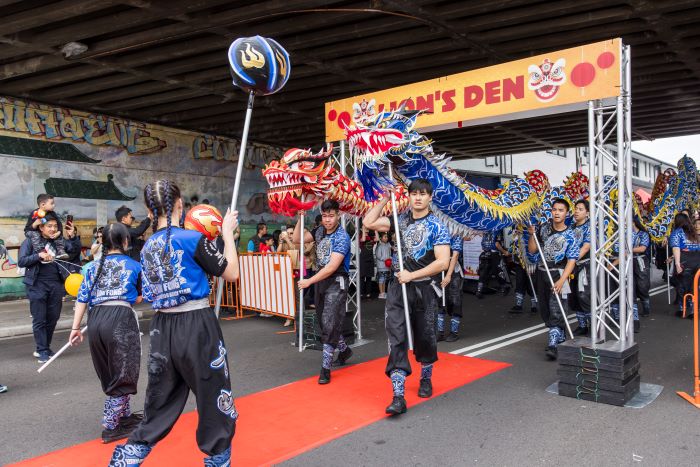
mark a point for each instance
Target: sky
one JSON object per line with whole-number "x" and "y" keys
{"x": 670, "y": 149}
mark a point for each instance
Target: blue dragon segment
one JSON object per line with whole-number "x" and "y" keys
{"x": 684, "y": 187}
{"x": 463, "y": 206}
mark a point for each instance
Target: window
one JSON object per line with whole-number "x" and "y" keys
{"x": 557, "y": 152}
{"x": 635, "y": 167}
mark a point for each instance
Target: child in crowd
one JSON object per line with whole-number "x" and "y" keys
{"x": 382, "y": 254}
{"x": 267, "y": 243}
{"x": 45, "y": 204}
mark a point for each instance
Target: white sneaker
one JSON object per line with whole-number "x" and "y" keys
{"x": 382, "y": 296}
{"x": 35, "y": 354}
{"x": 265, "y": 315}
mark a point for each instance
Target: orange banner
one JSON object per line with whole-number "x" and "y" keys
{"x": 544, "y": 84}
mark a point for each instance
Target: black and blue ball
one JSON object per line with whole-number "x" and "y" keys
{"x": 259, "y": 65}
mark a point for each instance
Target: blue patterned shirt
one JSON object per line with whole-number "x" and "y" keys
{"x": 457, "y": 245}
{"x": 489, "y": 239}
{"x": 557, "y": 246}
{"x": 120, "y": 279}
{"x": 680, "y": 240}
{"x": 418, "y": 240}
{"x": 336, "y": 242}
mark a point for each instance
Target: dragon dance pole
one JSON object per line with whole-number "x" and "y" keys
{"x": 301, "y": 276}
{"x": 58, "y": 354}
{"x": 551, "y": 281}
{"x": 236, "y": 186}
{"x": 668, "y": 277}
{"x": 404, "y": 294}
{"x": 443, "y": 290}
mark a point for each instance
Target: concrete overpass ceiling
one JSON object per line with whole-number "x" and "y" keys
{"x": 165, "y": 62}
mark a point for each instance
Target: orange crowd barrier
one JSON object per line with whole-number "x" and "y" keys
{"x": 695, "y": 398}
{"x": 229, "y": 297}
{"x": 266, "y": 284}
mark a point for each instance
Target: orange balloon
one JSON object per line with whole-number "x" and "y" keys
{"x": 205, "y": 219}
{"x": 73, "y": 283}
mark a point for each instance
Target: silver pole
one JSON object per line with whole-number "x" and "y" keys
{"x": 668, "y": 276}
{"x": 601, "y": 273}
{"x": 532, "y": 286}
{"x": 395, "y": 215}
{"x": 551, "y": 281}
{"x": 301, "y": 276}
{"x": 236, "y": 186}
{"x": 443, "y": 290}
{"x": 622, "y": 225}
{"x": 593, "y": 226}
{"x": 626, "y": 124}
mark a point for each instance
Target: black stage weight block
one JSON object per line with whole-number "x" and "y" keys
{"x": 607, "y": 372}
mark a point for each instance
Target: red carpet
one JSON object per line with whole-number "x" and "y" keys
{"x": 285, "y": 421}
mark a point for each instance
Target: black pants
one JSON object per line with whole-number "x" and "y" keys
{"x": 522, "y": 283}
{"x": 490, "y": 264}
{"x": 366, "y": 285}
{"x": 422, "y": 306}
{"x": 642, "y": 281}
{"x": 549, "y": 307}
{"x": 453, "y": 295}
{"x": 187, "y": 353}
{"x": 690, "y": 260}
{"x": 115, "y": 347}
{"x": 580, "y": 300}
{"x": 45, "y": 303}
{"x": 331, "y": 298}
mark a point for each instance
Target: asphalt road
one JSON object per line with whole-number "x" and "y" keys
{"x": 504, "y": 419}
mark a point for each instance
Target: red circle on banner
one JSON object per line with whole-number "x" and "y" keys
{"x": 606, "y": 60}
{"x": 344, "y": 120}
{"x": 332, "y": 115}
{"x": 583, "y": 74}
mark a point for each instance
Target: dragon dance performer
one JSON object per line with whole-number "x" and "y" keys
{"x": 425, "y": 244}
{"x": 640, "y": 268}
{"x": 580, "y": 297}
{"x": 523, "y": 284}
{"x": 187, "y": 351}
{"x": 560, "y": 251}
{"x": 111, "y": 286}
{"x": 331, "y": 295}
{"x": 685, "y": 244}
{"x": 491, "y": 262}
{"x": 452, "y": 284}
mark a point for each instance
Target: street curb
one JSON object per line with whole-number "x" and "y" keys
{"x": 62, "y": 325}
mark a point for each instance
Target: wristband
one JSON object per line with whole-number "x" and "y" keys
{"x": 73, "y": 329}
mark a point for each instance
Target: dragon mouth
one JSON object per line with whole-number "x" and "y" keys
{"x": 286, "y": 192}
{"x": 370, "y": 146}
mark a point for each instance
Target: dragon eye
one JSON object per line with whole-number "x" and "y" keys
{"x": 381, "y": 125}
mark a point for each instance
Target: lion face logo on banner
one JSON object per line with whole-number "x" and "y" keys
{"x": 546, "y": 79}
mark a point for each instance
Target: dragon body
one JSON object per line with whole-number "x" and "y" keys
{"x": 389, "y": 153}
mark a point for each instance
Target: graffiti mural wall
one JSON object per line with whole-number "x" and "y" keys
{"x": 93, "y": 164}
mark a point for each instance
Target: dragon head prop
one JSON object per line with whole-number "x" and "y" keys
{"x": 299, "y": 180}
{"x": 374, "y": 142}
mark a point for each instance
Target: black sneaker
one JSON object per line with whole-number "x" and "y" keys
{"x": 505, "y": 291}
{"x": 551, "y": 352}
{"x": 426, "y": 388}
{"x": 533, "y": 309}
{"x": 637, "y": 326}
{"x": 132, "y": 420}
{"x": 343, "y": 357}
{"x": 516, "y": 309}
{"x": 120, "y": 432}
{"x": 581, "y": 331}
{"x": 453, "y": 336}
{"x": 479, "y": 295}
{"x": 325, "y": 376}
{"x": 440, "y": 336}
{"x": 397, "y": 406}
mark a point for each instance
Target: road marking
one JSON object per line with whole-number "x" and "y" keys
{"x": 537, "y": 330}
